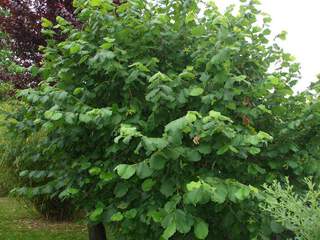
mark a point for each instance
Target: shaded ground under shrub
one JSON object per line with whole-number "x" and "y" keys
{"x": 20, "y": 222}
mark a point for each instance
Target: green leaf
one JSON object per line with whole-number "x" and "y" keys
{"x": 148, "y": 184}
{"x": 132, "y": 213}
{"x": 193, "y": 156}
{"x": 169, "y": 231}
{"x": 204, "y": 149}
{"x": 95, "y": 171}
{"x": 153, "y": 144}
{"x": 106, "y": 45}
{"x": 117, "y": 217}
{"x": 194, "y": 196}
{"x": 75, "y": 48}
{"x": 106, "y": 176}
{"x": 276, "y": 227}
{"x": 220, "y": 193}
{"x": 197, "y": 91}
{"x": 167, "y": 188}
{"x": 120, "y": 190}
{"x": 171, "y": 205}
{"x": 219, "y": 58}
{"x": 223, "y": 150}
{"x": 143, "y": 170}
{"x": 109, "y": 54}
{"x": 46, "y": 23}
{"x": 96, "y": 214}
{"x": 157, "y": 161}
{"x": 242, "y": 194}
{"x": 254, "y": 150}
{"x": 95, "y": 3}
{"x": 264, "y": 136}
{"x": 53, "y": 115}
{"x": 283, "y": 35}
{"x": 70, "y": 117}
{"x": 201, "y": 230}
{"x": 126, "y": 171}
{"x": 85, "y": 118}
{"x": 184, "y": 221}
{"x": 187, "y": 75}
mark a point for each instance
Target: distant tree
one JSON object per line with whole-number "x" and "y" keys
{"x": 20, "y": 20}
{"x": 23, "y": 24}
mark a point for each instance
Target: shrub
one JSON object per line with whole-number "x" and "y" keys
{"x": 6, "y": 90}
{"x": 15, "y": 153}
{"x": 163, "y": 122}
{"x": 299, "y": 213}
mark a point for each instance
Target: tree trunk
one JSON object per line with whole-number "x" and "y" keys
{"x": 97, "y": 232}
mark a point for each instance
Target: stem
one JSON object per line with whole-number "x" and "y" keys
{"x": 97, "y": 232}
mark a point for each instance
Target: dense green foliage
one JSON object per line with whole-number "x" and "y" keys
{"x": 16, "y": 154}
{"x": 164, "y": 121}
{"x": 6, "y": 90}
{"x": 7, "y": 179}
{"x": 296, "y": 212}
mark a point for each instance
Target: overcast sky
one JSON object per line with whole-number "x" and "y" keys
{"x": 301, "y": 19}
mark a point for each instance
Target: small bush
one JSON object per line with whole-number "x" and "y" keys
{"x": 14, "y": 157}
{"x": 6, "y": 90}
{"x": 299, "y": 213}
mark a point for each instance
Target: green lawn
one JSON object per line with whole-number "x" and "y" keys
{"x": 19, "y": 222}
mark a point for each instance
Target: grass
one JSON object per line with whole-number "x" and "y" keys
{"x": 20, "y": 222}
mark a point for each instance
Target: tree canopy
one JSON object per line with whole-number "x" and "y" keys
{"x": 164, "y": 120}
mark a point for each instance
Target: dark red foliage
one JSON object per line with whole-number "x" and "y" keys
{"x": 23, "y": 26}
{"x": 20, "y": 81}
{"x": 117, "y": 2}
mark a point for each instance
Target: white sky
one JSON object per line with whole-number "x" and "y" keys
{"x": 301, "y": 19}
